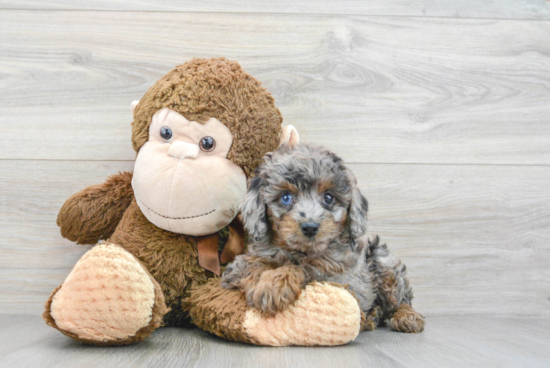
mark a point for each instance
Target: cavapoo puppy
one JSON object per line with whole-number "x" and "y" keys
{"x": 307, "y": 220}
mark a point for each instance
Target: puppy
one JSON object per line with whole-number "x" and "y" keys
{"x": 306, "y": 220}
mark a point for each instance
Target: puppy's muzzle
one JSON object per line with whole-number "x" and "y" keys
{"x": 309, "y": 228}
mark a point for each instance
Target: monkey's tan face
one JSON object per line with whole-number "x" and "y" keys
{"x": 183, "y": 181}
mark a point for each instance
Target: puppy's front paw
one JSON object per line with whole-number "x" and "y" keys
{"x": 233, "y": 275}
{"x": 406, "y": 319}
{"x": 276, "y": 289}
{"x": 231, "y": 278}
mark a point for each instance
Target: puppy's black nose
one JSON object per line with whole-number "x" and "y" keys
{"x": 309, "y": 228}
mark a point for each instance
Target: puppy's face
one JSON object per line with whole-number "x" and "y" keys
{"x": 302, "y": 199}
{"x": 305, "y": 216}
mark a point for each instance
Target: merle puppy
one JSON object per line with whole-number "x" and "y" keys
{"x": 307, "y": 219}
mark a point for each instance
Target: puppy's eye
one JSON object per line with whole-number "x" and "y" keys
{"x": 328, "y": 198}
{"x": 286, "y": 199}
{"x": 207, "y": 144}
{"x": 166, "y": 133}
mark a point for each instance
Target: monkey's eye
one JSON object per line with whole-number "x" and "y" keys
{"x": 328, "y": 198}
{"x": 286, "y": 199}
{"x": 166, "y": 133}
{"x": 207, "y": 144}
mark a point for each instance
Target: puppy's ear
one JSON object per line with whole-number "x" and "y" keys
{"x": 253, "y": 210}
{"x": 357, "y": 212}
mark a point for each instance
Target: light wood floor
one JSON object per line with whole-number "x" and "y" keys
{"x": 441, "y": 107}
{"x": 25, "y": 341}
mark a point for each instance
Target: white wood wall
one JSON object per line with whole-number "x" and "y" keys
{"x": 441, "y": 107}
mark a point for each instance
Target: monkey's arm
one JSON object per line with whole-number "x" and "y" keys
{"x": 93, "y": 213}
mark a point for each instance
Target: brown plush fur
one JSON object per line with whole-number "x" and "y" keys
{"x": 198, "y": 90}
{"x": 93, "y": 213}
{"x": 218, "y": 311}
{"x": 218, "y": 88}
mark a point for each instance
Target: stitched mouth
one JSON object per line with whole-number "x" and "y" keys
{"x": 174, "y": 218}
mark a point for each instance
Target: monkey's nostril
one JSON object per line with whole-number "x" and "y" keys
{"x": 309, "y": 228}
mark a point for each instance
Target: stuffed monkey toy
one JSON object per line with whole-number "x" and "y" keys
{"x": 164, "y": 233}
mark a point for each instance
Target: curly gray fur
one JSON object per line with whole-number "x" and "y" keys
{"x": 338, "y": 252}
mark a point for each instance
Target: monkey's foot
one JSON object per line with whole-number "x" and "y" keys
{"x": 107, "y": 299}
{"x": 406, "y": 319}
{"x": 324, "y": 314}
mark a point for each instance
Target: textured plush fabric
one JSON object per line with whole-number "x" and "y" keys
{"x": 309, "y": 321}
{"x": 108, "y": 297}
{"x": 218, "y": 88}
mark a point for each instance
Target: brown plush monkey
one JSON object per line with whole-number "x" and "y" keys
{"x": 161, "y": 233}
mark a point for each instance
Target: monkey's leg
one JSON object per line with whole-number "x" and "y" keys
{"x": 394, "y": 291}
{"x": 323, "y": 314}
{"x": 107, "y": 299}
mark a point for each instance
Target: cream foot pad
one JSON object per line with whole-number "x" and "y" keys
{"x": 309, "y": 321}
{"x": 108, "y": 296}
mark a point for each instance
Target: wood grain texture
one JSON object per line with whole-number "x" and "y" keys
{"x": 518, "y": 9}
{"x": 25, "y": 341}
{"x": 476, "y": 239}
{"x": 375, "y": 89}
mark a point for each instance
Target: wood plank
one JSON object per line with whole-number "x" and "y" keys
{"x": 446, "y": 342}
{"x": 476, "y": 239}
{"x": 508, "y": 9}
{"x": 375, "y": 89}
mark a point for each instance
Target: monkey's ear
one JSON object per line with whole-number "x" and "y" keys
{"x": 290, "y": 136}
{"x": 253, "y": 210}
{"x": 133, "y": 105}
{"x": 357, "y": 212}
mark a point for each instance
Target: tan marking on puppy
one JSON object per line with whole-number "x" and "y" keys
{"x": 287, "y": 186}
{"x": 329, "y": 229}
{"x": 406, "y": 319}
{"x": 276, "y": 289}
{"x": 325, "y": 186}
{"x": 287, "y": 233}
